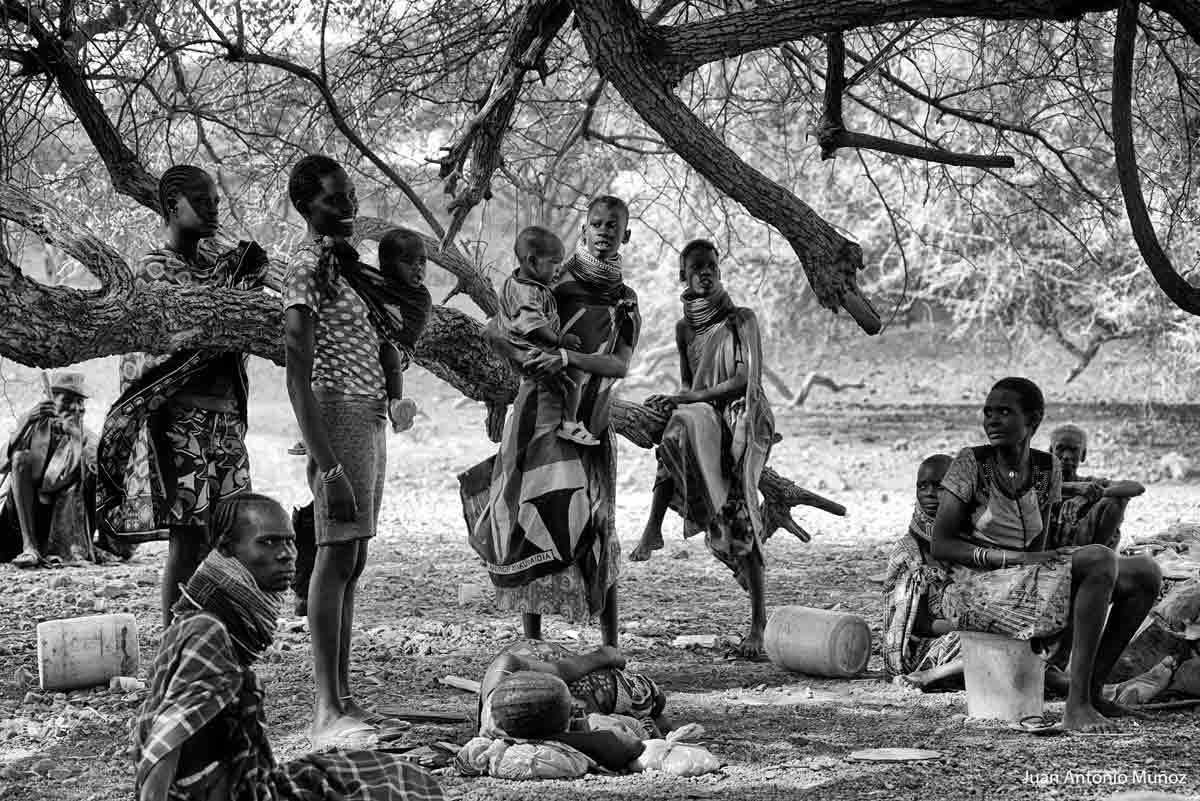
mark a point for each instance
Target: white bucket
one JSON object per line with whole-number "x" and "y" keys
{"x": 1005, "y": 679}
{"x": 87, "y": 651}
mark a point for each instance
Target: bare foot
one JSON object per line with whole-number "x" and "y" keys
{"x": 386, "y": 723}
{"x": 751, "y": 646}
{"x": 1086, "y": 719}
{"x": 651, "y": 541}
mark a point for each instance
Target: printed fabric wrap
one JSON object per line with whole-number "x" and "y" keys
{"x": 911, "y": 576}
{"x": 135, "y": 485}
{"x": 541, "y": 512}
{"x": 715, "y": 453}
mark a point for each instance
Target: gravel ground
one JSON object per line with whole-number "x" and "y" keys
{"x": 780, "y": 735}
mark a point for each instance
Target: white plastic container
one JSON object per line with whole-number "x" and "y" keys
{"x": 818, "y": 642}
{"x": 1005, "y": 679}
{"x": 87, "y": 651}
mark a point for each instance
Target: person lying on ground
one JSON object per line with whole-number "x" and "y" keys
{"x": 1093, "y": 507}
{"x": 916, "y": 638}
{"x": 47, "y": 480}
{"x": 598, "y": 683}
{"x": 201, "y": 731}
{"x": 992, "y": 527}
{"x": 719, "y": 433}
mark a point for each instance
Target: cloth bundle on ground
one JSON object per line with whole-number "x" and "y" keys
{"x": 508, "y": 758}
{"x": 676, "y": 758}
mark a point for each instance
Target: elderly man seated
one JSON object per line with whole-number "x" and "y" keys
{"x": 1092, "y": 508}
{"x": 47, "y": 472}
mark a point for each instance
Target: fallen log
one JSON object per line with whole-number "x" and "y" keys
{"x": 644, "y": 426}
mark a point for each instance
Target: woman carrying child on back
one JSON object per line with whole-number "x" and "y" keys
{"x": 991, "y": 525}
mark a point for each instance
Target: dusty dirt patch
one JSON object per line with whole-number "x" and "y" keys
{"x": 781, "y": 735}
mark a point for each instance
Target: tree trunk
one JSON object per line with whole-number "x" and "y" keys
{"x": 621, "y": 45}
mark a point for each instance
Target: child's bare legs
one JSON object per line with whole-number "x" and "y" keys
{"x": 571, "y": 428}
{"x": 330, "y": 608}
{"x": 652, "y": 539}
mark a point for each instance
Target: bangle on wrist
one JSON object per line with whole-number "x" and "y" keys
{"x": 563, "y": 353}
{"x": 333, "y": 473}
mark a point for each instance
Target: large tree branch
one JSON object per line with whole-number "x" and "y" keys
{"x": 680, "y": 49}
{"x": 832, "y": 133}
{"x": 129, "y": 176}
{"x": 1181, "y": 293}
{"x": 616, "y": 39}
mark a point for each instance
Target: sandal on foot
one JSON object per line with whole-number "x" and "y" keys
{"x": 577, "y": 433}
{"x": 354, "y": 738}
{"x": 26, "y": 559}
{"x": 1038, "y": 726}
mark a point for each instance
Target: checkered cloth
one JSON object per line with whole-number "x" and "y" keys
{"x": 198, "y": 684}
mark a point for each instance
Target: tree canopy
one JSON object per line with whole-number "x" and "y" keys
{"x": 974, "y": 151}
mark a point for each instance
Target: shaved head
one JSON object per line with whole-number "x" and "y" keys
{"x": 535, "y": 241}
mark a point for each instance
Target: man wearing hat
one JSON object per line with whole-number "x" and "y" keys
{"x": 47, "y": 474}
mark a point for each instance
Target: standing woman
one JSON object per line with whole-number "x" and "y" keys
{"x": 173, "y": 443}
{"x": 991, "y": 525}
{"x": 345, "y": 379}
{"x": 547, "y": 526}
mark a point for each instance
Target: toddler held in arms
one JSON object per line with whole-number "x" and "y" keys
{"x": 528, "y": 320}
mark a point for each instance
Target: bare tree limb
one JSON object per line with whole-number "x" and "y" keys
{"x": 536, "y": 26}
{"x": 832, "y": 133}
{"x": 1181, "y": 293}
{"x": 680, "y": 49}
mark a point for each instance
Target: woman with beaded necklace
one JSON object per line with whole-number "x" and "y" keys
{"x": 991, "y": 526}
{"x": 718, "y": 435}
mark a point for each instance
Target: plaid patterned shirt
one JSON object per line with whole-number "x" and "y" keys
{"x": 197, "y": 679}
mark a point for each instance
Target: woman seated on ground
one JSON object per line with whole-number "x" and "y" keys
{"x": 992, "y": 525}
{"x": 599, "y": 685}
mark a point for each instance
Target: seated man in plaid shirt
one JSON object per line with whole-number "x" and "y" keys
{"x": 200, "y": 732}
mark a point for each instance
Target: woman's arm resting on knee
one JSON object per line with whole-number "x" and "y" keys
{"x": 953, "y": 516}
